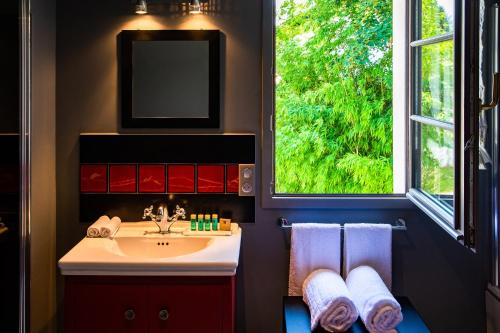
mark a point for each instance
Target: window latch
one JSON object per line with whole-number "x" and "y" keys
{"x": 496, "y": 94}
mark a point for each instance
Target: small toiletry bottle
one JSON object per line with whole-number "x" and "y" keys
{"x": 193, "y": 222}
{"x": 200, "y": 222}
{"x": 207, "y": 222}
{"x": 215, "y": 222}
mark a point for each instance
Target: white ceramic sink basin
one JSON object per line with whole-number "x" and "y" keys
{"x": 142, "y": 247}
{"x": 131, "y": 252}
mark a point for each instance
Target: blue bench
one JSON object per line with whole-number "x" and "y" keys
{"x": 297, "y": 319}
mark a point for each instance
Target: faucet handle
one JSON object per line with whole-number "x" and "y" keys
{"x": 148, "y": 211}
{"x": 180, "y": 211}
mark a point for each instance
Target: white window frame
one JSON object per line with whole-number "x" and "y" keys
{"x": 461, "y": 222}
{"x": 333, "y": 201}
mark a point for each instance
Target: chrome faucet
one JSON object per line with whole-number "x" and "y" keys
{"x": 161, "y": 218}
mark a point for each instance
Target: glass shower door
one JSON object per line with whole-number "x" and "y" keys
{"x": 10, "y": 166}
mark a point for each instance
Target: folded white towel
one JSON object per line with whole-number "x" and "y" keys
{"x": 110, "y": 228}
{"x": 370, "y": 245}
{"x": 329, "y": 301}
{"x": 378, "y": 309}
{"x": 95, "y": 229}
{"x": 313, "y": 246}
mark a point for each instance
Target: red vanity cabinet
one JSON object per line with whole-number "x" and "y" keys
{"x": 149, "y": 304}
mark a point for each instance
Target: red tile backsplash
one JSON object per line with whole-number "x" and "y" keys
{"x": 180, "y": 178}
{"x": 93, "y": 178}
{"x": 232, "y": 178}
{"x": 152, "y": 178}
{"x": 122, "y": 178}
{"x": 210, "y": 178}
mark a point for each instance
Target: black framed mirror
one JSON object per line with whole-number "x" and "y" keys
{"x": 170, "y": 78}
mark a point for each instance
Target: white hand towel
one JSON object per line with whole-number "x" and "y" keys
{"x": 110, "y": 228}
{"x": 313, "y": 246}
{"x": 95, "y": 229}
{"x": 370, "y": 245}
{"x": 329, "y": 301}
{"x": 378, "y": 309}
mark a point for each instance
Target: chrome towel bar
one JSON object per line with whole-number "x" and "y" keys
{"x": 399, "y": 225}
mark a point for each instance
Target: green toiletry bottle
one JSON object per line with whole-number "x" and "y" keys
{"x": 215, "y": 222}
{"x": 200, "y": 222}
{"x": 207, "y": 222}
{"x": 193, "y": 222}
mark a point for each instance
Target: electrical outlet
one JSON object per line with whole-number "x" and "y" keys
{"x": 247, "y": 180}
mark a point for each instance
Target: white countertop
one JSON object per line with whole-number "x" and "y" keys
{"x": 99, "y": 256}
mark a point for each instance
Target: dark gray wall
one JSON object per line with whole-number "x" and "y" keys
{"x": 444, "y": 280}
{"x": 42, "y": 311}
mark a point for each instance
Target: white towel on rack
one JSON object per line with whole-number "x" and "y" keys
{"x": 95, "y": 229}
{"x": 378, "y": 309}
{"x": 330, "y": 302}
{"x": 313, "y": 246}
{"x": 110, "y": 228}
{"x": 370, "y": 245}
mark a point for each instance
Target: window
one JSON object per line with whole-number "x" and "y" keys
{"x": 371, "y": 104}
{"x": 443, "y": 159}
{"x": 433, "y": 105}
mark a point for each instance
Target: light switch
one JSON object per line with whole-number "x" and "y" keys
{"x": 247, "y": 180}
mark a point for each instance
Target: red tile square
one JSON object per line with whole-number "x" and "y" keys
{"x": 232, "y": 178}
{"x": 93, "y": 178}
{"x": 180, "y": 178}
{"x": 122, "y": 178}
{"x": 152, "y": 178}
{"x": 210, "y": 178}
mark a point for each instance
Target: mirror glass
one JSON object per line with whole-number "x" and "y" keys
{"x": 170, "y": 79}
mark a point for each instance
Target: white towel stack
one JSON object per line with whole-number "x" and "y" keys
{"x": 110, "y": 228}
{"x": 369, "y": 245}
{"x": 329, "y": 301}
{"x": 313, "y": 246}
{"x": 378, "y": 309}
{"x": 95, "y": 229}
{"x": 104, "y": 227}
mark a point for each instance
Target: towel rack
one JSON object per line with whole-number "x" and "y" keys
{"x": 399, "y": 225}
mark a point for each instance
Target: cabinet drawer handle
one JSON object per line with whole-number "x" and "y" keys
{"x": 129, "y": 314}
{"x": 163, "y": 315}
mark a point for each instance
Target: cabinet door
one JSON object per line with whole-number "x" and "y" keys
{"x": 186, "y": 308}
{"x": 105, "y": 308}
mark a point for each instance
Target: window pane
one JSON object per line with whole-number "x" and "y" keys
{"x": 437, "y": 17}
{"x": 333, "y": 97}
{"x": 437, "y": 81}
{"x": 436, "y": 176}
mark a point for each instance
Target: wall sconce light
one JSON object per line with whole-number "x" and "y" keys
{"x": 141, "y": 7}
{"x": 194, "y": 7}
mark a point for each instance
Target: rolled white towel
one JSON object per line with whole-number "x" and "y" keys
{"x": 378, "y": 309}
{"x": 329, "y": 301}
{"x": 95, "y": 229}
{"x": 110, "y": 228}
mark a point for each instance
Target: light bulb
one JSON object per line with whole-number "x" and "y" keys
{"x": 141, "y": 7}
{"x": 194, "y": 7}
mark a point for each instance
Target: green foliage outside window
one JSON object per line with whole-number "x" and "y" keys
{"x": 437, "y": 100}
{"x": 334, "y": 95}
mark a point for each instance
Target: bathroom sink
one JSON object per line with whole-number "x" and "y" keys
{"x": 136, "y": 251}
{"x": 142, "y": 247}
